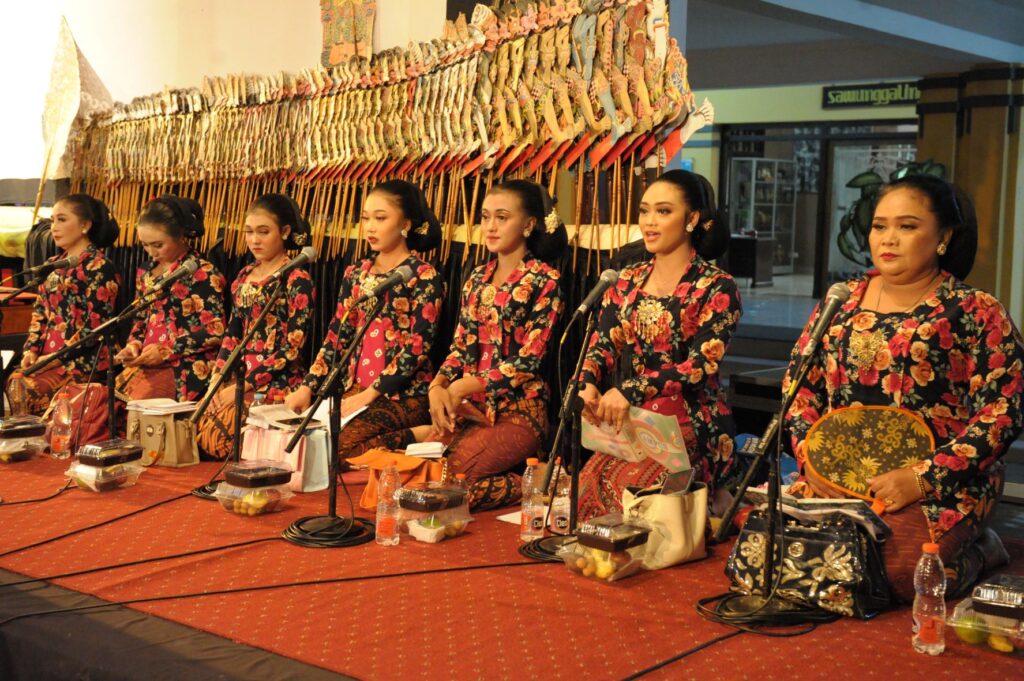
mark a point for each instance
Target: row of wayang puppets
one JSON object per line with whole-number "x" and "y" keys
{"x": 912, "y": 335}
{"x": 530, "y": 84}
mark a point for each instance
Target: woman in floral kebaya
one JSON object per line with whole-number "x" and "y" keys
{"x": 509, "y": 307}
{"x": 913, "y": 335}
{"x": 390, "y": 370}
{"x": 273, "y": 360}
{"x": 673, "y": 318}
{"x": 172, "y": 346}
{"x": 71, "y": 300}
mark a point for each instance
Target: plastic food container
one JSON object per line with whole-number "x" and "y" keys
{"x": 21, "y": 437}
{"x": 1002, "y": 634}
{"x": 607, "y": 549}
{"x": 433, "y": 513}
{"x": 1003, "y": 595}
{"x": 105, "y": 478}
{"x": 252, "y": 500}
{"x": 109, "y": 452}
{"x": 258, "y": 473}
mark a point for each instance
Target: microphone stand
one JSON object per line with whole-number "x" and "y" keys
{"x": 546, "y": 548}
{"x": 768, "y": 606}
{"x": 106, "y": 334}
{"x": 331, "y": 530}
{"x": 233, "y": 365}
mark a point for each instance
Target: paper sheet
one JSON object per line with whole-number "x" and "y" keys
{"x": 644, "y": 434}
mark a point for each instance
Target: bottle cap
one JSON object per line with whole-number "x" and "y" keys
{"x": 930, "y": 547}
{"x": 460, "y": 476}
{"x": 878, "y": 506}
{"x": 532, "y": 461}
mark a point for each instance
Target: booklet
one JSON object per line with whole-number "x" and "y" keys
{"x": 161, "y": 405}
{"x": 281, "y": 417}
{"x": 644, "y": 434}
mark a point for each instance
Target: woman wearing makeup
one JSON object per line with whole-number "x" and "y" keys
{"x": 389, "y": 372}
{"x": 488, "y": 402}
{"x": 70, "y": 300}
{"x": 915, "y": 337}
{"x": 673, "y": 317}
{"x": 273, "y": 359}
{"x": 172, "y": 347}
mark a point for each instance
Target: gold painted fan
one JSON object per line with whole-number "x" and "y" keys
{"x": 848, "y": 446}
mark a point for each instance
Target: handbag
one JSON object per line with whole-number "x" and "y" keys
{"x": 830, "y": 563}
{"x": 678, "y": 522}
{"x": 411, "y": 469}
{"x": 166, "y": 439}
{"x": 308, "y": 460}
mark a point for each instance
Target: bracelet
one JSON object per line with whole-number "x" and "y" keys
{"x": 920, "y": 485}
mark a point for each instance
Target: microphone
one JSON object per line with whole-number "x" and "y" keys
{"x": 186, "y": 269}
{"x": 305, "y": 256}
{"x": 604, "y": 282}
{"x": 834, "y": 299}
{"x": 400, "y": 275}
{"x": 607, "y": 278}
{"x": 47, "y": 267}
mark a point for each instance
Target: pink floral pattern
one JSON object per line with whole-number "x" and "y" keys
{"x": 956, "y": 359}
{"x": 673, "y": 369}
{"x": 72, "y": 301}
{"x": 406, "y": 329}
{"x": 514, "y": 321}
{"x": 187, "y": 323}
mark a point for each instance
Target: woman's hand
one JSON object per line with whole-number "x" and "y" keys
{"x": 897, "y": 489}
{"x": 591, "y": 396}
{"x": 127, "y": 354}
{"x": 299, "y": 400}
{"x": 821, "y": 488}
{"x": 358, "y": 401}
{"x": 442, "y": 409}
{"x": 151, "y": 355}
{"x": 28, "y": 359}
{"x": 613, "y": 408}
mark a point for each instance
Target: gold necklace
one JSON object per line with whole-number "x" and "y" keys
{"x": 927, "y": 289}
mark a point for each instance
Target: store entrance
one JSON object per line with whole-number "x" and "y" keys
{"x": 785, "y": 195}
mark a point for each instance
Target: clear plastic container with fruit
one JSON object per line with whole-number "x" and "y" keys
{"x": 253, "y": 488}
{"x": 607, "y": 548}
{"x": 252, "y": 501}
{"x": 107, "y": 465}
{"x": 432, "y": 513}
{"x": 997, "y": 632}
{"x": 21, "y": 438}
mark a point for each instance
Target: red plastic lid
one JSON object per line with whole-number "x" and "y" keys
{"x": 930, "y": 547}
{"x": 532, "y": 461}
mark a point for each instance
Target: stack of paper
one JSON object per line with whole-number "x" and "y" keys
{"x": 161, "y": 405}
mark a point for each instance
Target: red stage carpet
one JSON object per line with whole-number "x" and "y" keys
{"x": 527, "y": 621}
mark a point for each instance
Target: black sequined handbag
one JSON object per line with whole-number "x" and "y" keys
{"x": 830, "y": 563}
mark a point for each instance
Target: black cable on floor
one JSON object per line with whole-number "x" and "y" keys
{"x": 56, "y": 494}
{"x": 141, "y": 561}
{"x": 265, "y": 587}
{"x": 327, "y": 532}
{"x": 94, "y": 526}
{"x": 685, "y": 653}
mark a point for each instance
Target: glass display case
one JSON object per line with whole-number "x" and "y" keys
{"x": 762, "y": 204}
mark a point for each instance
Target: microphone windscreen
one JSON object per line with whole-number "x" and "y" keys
{"x": 839, "y": 291}
{"x": 309, "y": 253}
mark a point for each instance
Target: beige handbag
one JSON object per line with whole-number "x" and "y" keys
{"x": 677, "y": 523}
{"x": 166, "y": 439}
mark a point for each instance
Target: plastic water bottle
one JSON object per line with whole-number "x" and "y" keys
{"x": 60, "y": 430}
{"x": 558, "y": 519}
{"x": 531, "y": 518}
{"x": 929, "y": 602}
{"x": 387, "y": 506}
{"x": 258, "y": 400}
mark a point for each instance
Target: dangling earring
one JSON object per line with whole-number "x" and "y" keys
{"x": 941, "y": 250}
